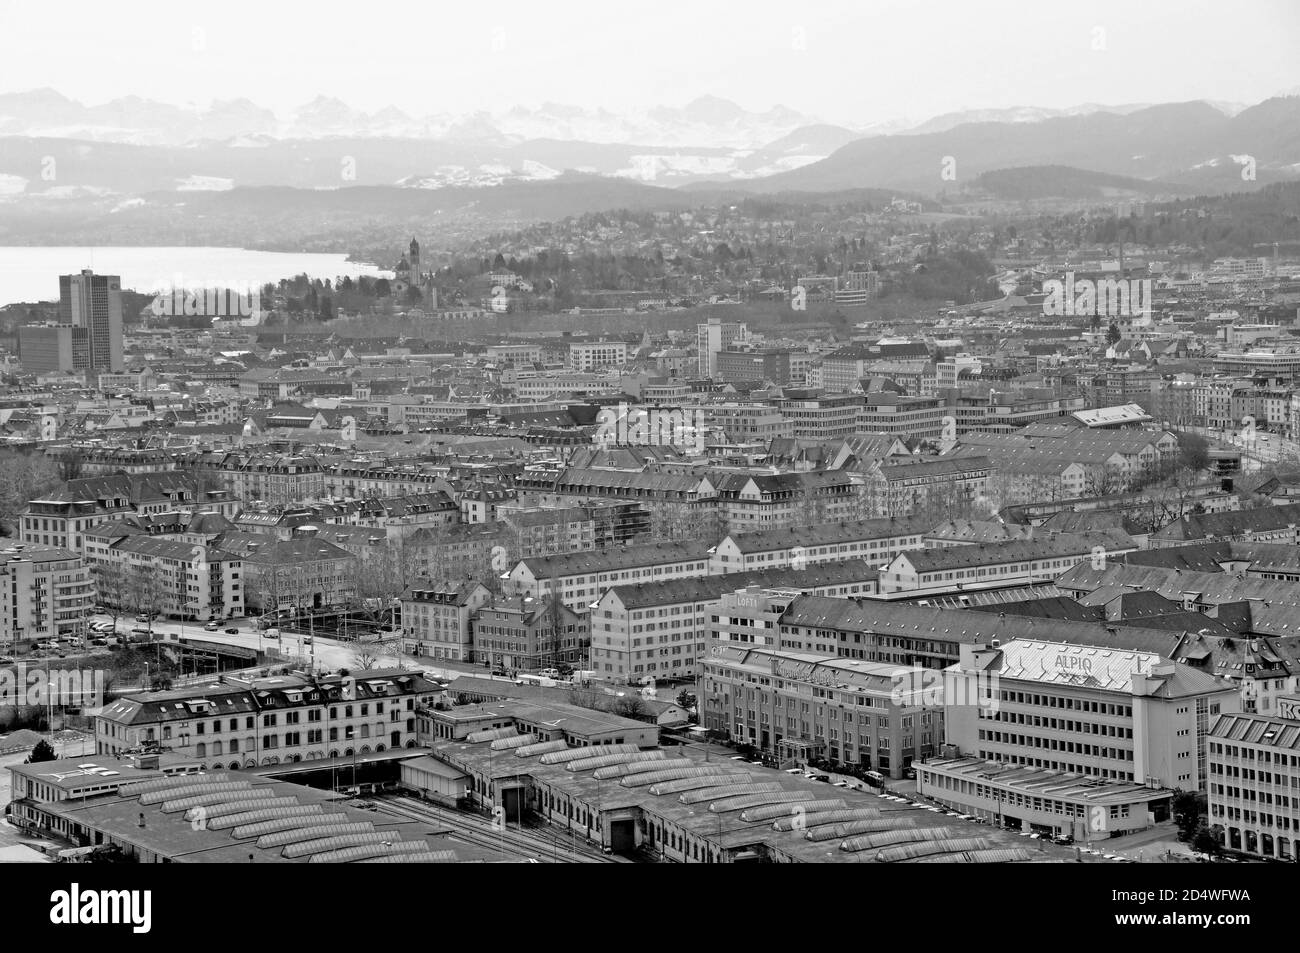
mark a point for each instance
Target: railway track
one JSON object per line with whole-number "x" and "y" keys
{"x": 513, "y": 843}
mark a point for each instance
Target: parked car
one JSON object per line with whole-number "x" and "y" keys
{"x": 140, "y": 630}
{"x": 549, "y": 673}
{"x": 99, "y": 640}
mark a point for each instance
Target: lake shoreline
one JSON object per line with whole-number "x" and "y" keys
{"x": 29, "y": 274}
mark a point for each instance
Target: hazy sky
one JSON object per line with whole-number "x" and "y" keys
{"x": 841, "y": 61}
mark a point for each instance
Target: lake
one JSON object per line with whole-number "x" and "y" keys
{"x": 32, "y": 273}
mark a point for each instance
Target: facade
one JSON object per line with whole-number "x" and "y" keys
{"x": 1111, "y": 733}
{"x": 182, "y": 580}
{"x": 61, "y": 517}
{"x": 244, "y": 722}
{"x": 822, "y": 416}
{"x": 53, "y": 348}
{"x": 844, "y": 367}
{"x": 713, "y": 338}
{"x": 1020, "y": 562}
{"x": 526, "y": 635}
{"x": 94, "y": 302}
{"x": 887, "y": 412}
{"x": 303, "y": 571}
{"x": 799, "y": 546}
{"x": 797, "y": 706}
{"x": 543, "y": 531}
{"x": 759, "y": 364}
{"x": 591, "y": 355}
{"x": 581, "y": 578}
{"x": 88, "y": 336}
{"x": 662, "y": 629}
{"x": 907, "y": 485}
{"x": 45, "y": 592}
{"x": 436, "y": 621}
{"x": 1253, "y": 765}
{"x": 750, "y": 617}
{"x": 761, "y": 501}
{"x": 747, "y": 423}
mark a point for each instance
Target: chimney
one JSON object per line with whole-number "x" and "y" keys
{"x": 140, "y": 823}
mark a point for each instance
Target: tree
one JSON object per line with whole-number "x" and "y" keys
{"x": 1113, "y": 334}
{"x": 23, "y": 477}
{"x": 1193, "y": 450}
{"x": 1102, "y": 481}
{"x": 112, "y": 587}
{"x": 147, "y": 591}
{"x": 384, "y": 572}
{"x": 1205, "y": 842}
{"x": 630, "y": 706}
{"x": 1188, "y": 807}
{"x": 43, "y": 751}
{"x": 365, "y": 660}
{"x": 584, "y": 697}
{"x": 686, "y": 700}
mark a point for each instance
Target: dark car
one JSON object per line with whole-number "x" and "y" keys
{"x": 232, "y": 631}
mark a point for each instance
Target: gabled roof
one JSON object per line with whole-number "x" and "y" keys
{"x": 829, "y": 534}
{"x": 1231, "y": 524}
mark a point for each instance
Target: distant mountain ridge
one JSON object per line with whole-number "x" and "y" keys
{"x": 1190, "y": 143}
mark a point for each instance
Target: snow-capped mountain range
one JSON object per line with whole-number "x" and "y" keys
{"x": 708, "y": 122}
{"x": 130, "y": 147}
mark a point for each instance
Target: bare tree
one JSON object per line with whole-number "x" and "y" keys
{"x": 113, "y": 588}
{"x": 1172, "y": 500}
{"x": 584, "y": 697}
{"x": 630, "y": 706}
{"x": 148, "y": 591}
{"x": 365, "y": 659}
{"x": 23, "y": 477}
{"x": 1102, "y": 481}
